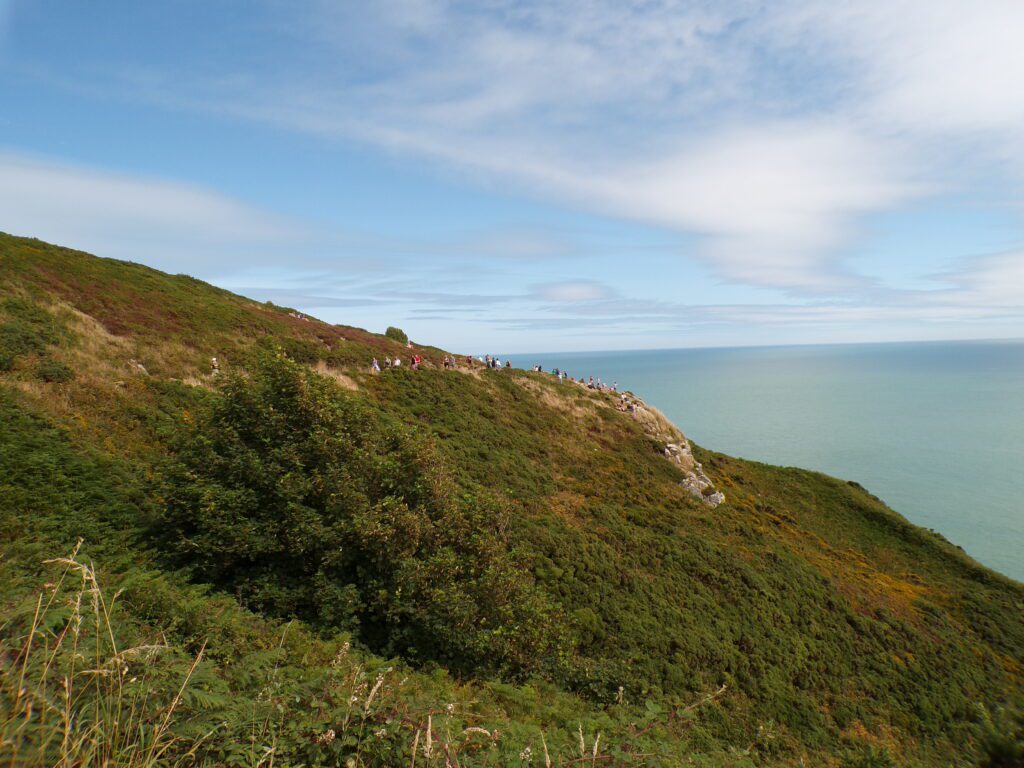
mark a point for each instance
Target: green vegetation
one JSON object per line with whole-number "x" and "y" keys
{"x": 296, "y": 562}
{"x": 54, "y": 371}
{"x": 307, "y": 504}
{"x": 397, "y": 334}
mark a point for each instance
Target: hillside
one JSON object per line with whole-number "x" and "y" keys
{"x": 317, "y": 565}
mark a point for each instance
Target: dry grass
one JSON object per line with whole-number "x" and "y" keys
{"x": 582, "y": 409}
{"x": 71, "y": 695}
{"x": 345, "y": 381}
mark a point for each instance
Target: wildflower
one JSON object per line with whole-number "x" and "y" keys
{"x": 450, "y": 708}
{"x": 326, "y": 737}
{"x": 381, "y": 732}
{"x": 526, "y": 755}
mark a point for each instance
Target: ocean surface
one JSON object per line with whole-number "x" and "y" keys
{"x": 935, "y": 429}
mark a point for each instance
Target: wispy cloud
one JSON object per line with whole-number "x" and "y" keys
{"x": 572, "y": 291}
{"x": 130, "y": 217}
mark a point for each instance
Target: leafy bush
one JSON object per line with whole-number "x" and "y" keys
{"x": 306, "y": 504}
{"x": 54, "y": 371}
{"x": 869, "y": 757}
{"x": 397, "y": 334}
{"x": 28, "y": 331}
{"x": 1002, "y": 739}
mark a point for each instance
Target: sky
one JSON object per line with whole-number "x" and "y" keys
{"x": 509, "y": 175}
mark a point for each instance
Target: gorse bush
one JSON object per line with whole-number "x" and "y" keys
{"x": 54, "y": 371}
{"x": 305, "y": 503}
{"x": 1002, "y": 738}
{"x": 28, "y": 330}
{"x": 870, "y": 757}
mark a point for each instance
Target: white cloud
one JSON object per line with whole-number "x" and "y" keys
{"x": 930, "y": 66}
{"x": 774, "y": 203}
{"x": 130, "y": 217}
{"x": 994, "y": 281}
{"x": 572, "y": 291}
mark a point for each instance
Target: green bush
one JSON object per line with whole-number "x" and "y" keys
{"x": 1002, "y": 739}
{"x": 54, "y": 371}
{"x": 869, "y": 757}
{"x": 397, "y": 334}
{"x": 306, "y": 504}
{"x": 18, "y": 338}
{"x": 28, "y": 330}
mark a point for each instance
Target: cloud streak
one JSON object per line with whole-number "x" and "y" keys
{"x": 127, "y": 216}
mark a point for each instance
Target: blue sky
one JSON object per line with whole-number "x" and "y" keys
{"x": 519, "y": 176}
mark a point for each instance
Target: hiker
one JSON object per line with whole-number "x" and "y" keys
{"x": 375, "y": 366}
{"x": 508, "y": 363}
{"x": 398, "y": 362}
{"x": 214, "y": 367}
{"x": 387, "y": 362}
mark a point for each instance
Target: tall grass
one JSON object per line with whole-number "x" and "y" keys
{"x": 70, "y": 695}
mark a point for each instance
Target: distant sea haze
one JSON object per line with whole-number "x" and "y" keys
{"x": 935, "y": 429}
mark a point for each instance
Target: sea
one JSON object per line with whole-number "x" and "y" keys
{"x": 935, "y": 429}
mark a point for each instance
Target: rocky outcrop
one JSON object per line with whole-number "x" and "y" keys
{"x": 695, "y": 481}
{"x": 677, "y": 449}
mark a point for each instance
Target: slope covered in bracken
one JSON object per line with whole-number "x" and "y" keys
{"x": 475, "y": 567}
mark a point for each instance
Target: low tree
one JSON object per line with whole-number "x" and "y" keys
{"x": 308, "y": 503}
{"x": 397, "y": 334}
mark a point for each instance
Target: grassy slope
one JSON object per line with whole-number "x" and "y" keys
{"x": 830, "y": 618}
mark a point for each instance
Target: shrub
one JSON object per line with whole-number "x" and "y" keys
{"x": 28, "y": 331}
{"x": 306, "y": 504}
{"x": 869, "y": 757}
{"x": 18, "y": 338}
{"x": 1002, "y": 738}
{"x": 397, "y": 334}
{"x": 54, "y": 371}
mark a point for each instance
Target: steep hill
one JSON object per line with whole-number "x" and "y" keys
{"x": 539, "y": 561}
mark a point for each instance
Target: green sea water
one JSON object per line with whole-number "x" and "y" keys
{"x": 935, "y": 429}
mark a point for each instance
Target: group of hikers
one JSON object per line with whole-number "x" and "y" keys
{"x": 492, "y": 362}
{"x": 414, "y": 362}
{"x": 589, "y": 383}
{"x": 625, "y": 401}
{"x": 450, "y": 362}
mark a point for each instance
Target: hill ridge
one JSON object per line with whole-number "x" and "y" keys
{"x": 655, "y": 572}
